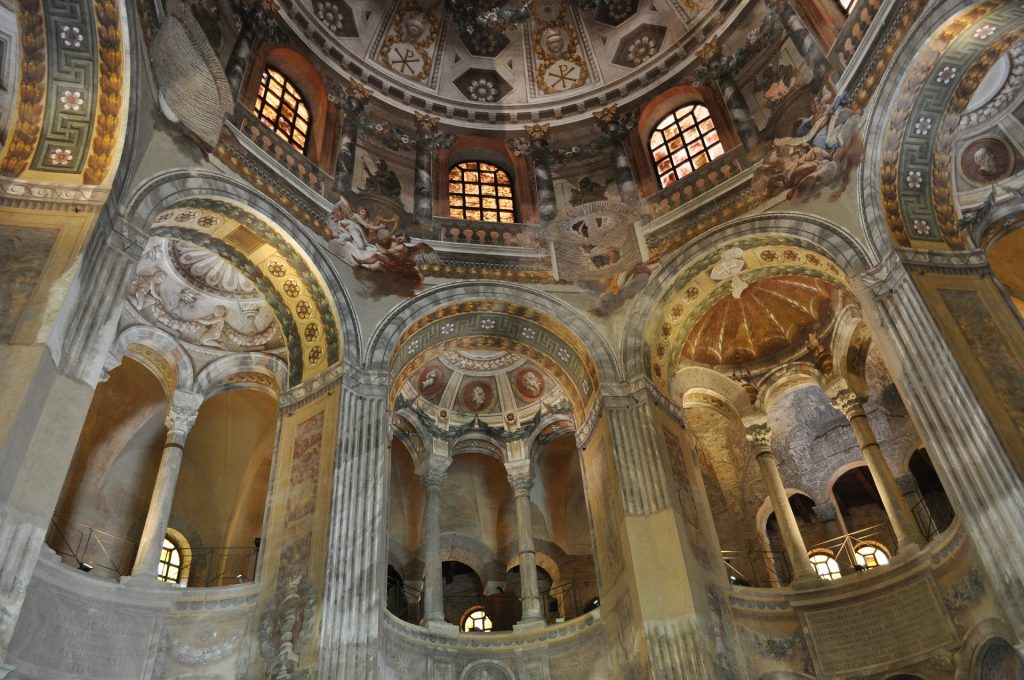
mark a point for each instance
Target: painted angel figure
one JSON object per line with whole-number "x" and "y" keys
{"x": 352, "y": 242}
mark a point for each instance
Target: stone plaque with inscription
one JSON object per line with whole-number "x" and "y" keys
{"x": 900, "y": 624}
{"x": 67, "y": 635}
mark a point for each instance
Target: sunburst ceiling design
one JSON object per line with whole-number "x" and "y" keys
{"x": 768, "y": 317}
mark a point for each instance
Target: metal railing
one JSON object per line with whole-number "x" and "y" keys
{"x": 933, "y": 514}
{"x": 91, "y": 549}
{"x": 223, "y": 566}
{"x": 559, "y": 603}
{"x": 757, "y": 568}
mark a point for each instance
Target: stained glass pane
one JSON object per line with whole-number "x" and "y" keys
{"x": 476, "y": 196}
{"x": 282, "y": 108}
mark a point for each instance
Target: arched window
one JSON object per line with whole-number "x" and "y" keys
{"x": 475, "y": 620}
{"x": 480, "y": 191}
{"x": 282, "y": 108}
{"x": 825, "y": 565}
{"x": 684, "y": 141}
{"x": 169, "y": 569}
{"x": 871, "y": 555}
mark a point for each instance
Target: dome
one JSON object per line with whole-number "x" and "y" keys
{"x": 529, "y": 60}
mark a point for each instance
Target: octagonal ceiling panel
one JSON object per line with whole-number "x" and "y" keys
{"x": 557, "y": 53}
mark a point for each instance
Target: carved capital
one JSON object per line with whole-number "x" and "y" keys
{"x": 827, "y": 511}
{"x": 847, "y": 402}
{"x": 435, "y": 472}
{"x": 426, "y": 124}
{"x": 180, "y": 421}
{"x": 538, "y": 133}
{"x": 615, "y": 123}
{"x": 355, "y": 97}
{"x": 884, "y": 277}
{"x": 759, "y": 436}
{"x": 182, "y": 414}
{"x": 520, "y": 478}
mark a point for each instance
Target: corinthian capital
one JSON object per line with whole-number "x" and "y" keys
{"x": 759, "y": 436}
{"x": 182, "y": 413}
{"x": 847, "y": 402}
{"x": 615, "y": 123}
{"x": 434, "y": 472}
{"x": 520, "y": 477}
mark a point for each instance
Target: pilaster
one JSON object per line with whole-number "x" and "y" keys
{"x": 352, "y": 626}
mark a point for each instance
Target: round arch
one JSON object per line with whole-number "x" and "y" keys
{"x": 929, "y": 103}
{"x": 177, "y": 187}
{"x": 158, "y": 351}
{"x": 805, "y": 231}
{"x": 481, "y": 314}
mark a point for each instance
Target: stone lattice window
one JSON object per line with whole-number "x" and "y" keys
{"x": 825, "y": 565}
{"x": 169, "y": 569}
{"x": 684, "y": 141}
{"x": 476, "y": 621}
{"x": 282, "y": 108}
{"x": 871, "y": 555}
{"x": 480, "y": 191}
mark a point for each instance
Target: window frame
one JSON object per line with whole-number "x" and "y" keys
{"x": 829, "y": 561}
{"x": 861, "y": 559}
{"x": 460, "y": 212}
{"x": 487, "y": 625}
{"x": 291, "y": 89}
{"x": 698, "y": 114}
{"x": 166, "y": 564}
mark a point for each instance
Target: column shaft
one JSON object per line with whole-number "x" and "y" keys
{"x": 527, "y": 560}
{"x": 159, "y": 512}
{"x": 433, "y": 587}
{"x": 423, "y": 191}
{"x": 791, "y": 538}
{"x": 235, "y": 69}
{"x": 746, "y": 127}
{"x": 903, "y": 524}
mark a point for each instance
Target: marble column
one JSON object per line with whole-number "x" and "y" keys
{"x": 828, "y": 513}
{"x": 617, "y": 124}
{"x": 258, "y": 20}
{"x": 903, "y": 525}
{"x": 433, "y": 475}
{"x": 355, "y": 585}
{"x": 746, "y": 126}
{"x": 353, "y": 102}
{"x": 180, "y": 419}
{"x": 423, "y": 188}
{"x": 759, "y": 438}
{"x": 520, "y": 477}
{"x": 805, "y": 43}
{"x": 538, "y": 136}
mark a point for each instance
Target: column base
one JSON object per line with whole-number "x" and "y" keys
{"x": 145, "y": 583}
{"x": 530, "y": 624}
{"x": 906, "y": 551}
{"x": 807, "y": 582}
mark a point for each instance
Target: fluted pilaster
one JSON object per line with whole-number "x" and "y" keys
{"x": 636, "y": 450}
{"x": 350, "y": 632}
{"x": 21, "y": 539}
{"x": 678, "y": 648}
{"x": 982, "y": 482}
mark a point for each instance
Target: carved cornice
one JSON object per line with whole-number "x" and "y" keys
{"x": 960, "y": 263}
